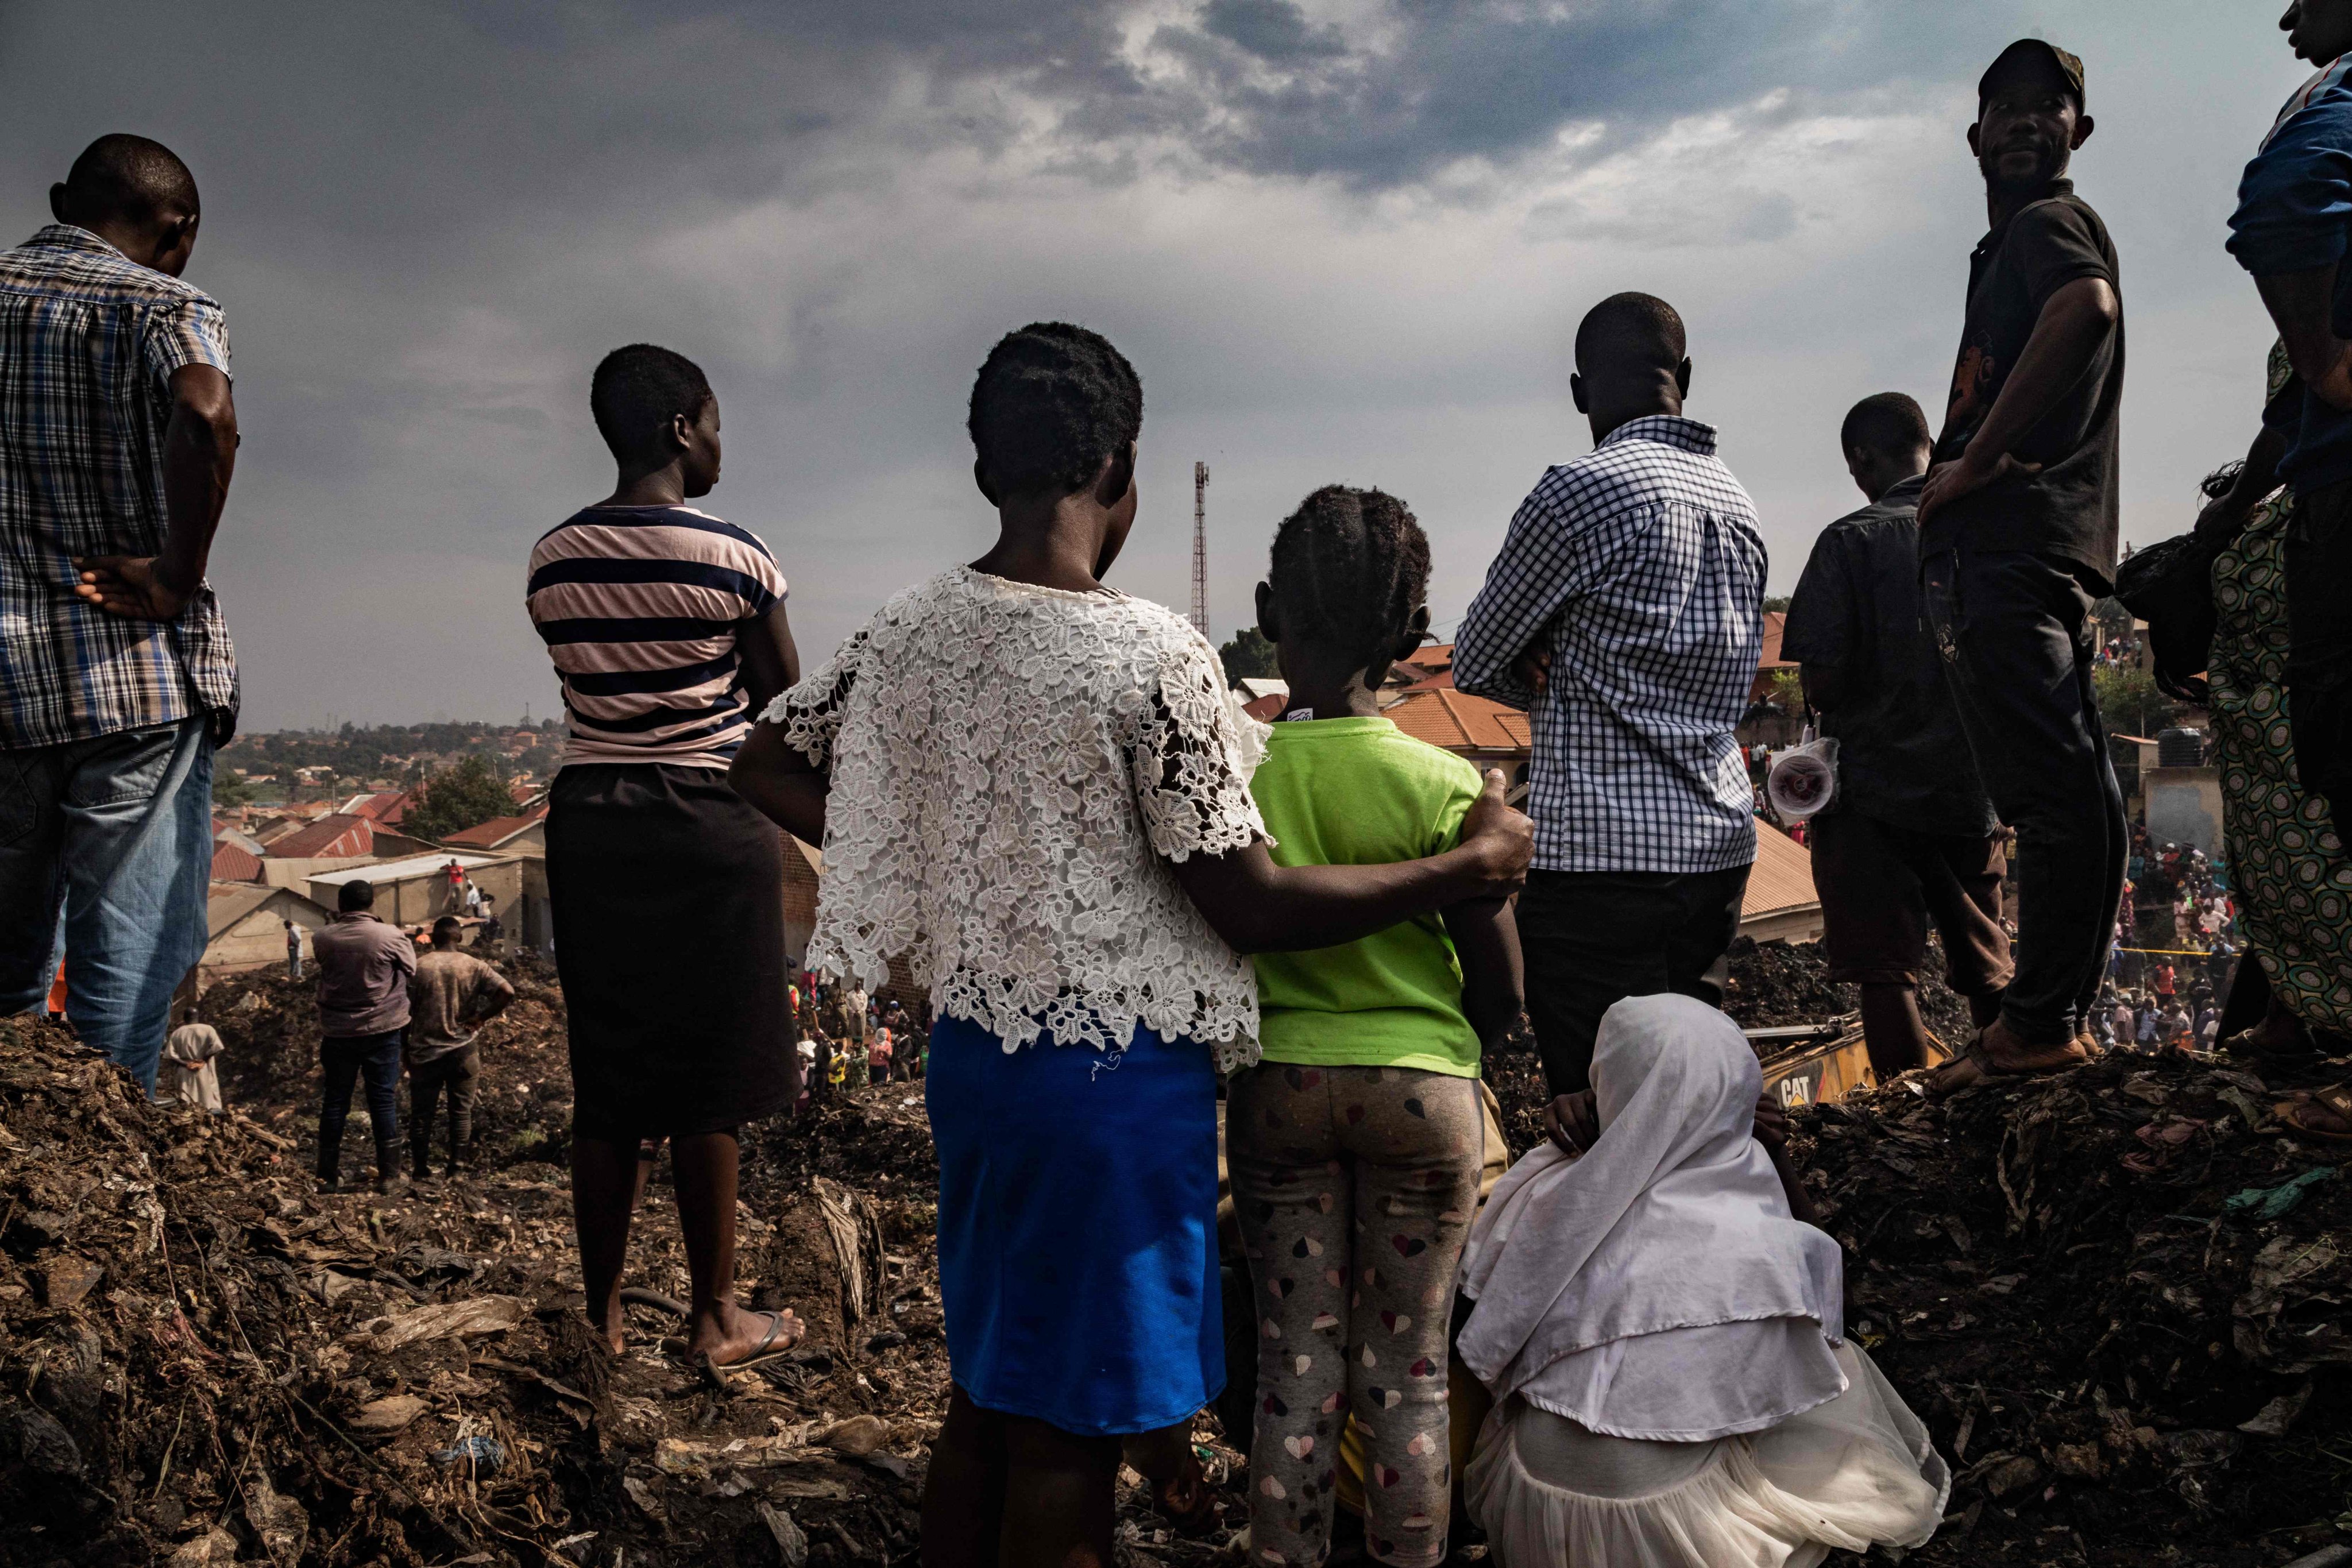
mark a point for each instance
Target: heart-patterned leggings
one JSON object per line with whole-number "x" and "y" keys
{"x": 1354, "y": 1188}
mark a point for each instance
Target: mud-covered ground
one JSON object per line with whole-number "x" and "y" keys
{"x": 204, "y": 1360}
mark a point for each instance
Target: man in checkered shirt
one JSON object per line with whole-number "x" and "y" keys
{"x": 116, "y": 680}
{"x": 1625, "y": 612}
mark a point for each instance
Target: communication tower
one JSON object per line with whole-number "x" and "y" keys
{"x": 1200, "y": 547}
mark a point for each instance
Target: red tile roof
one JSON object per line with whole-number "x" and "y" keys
{"x": 1776, "y": 622}
{"x": 1459, "y": 722}
{"x": 335, "y": 834}
{"x": 1266, "y": 710}
{"x": 232, "y": 864}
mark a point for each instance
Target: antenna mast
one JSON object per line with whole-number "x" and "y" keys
{"x": 1200, "y": 547}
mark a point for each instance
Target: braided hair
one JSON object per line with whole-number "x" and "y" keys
{"x": 1350, "y": 568}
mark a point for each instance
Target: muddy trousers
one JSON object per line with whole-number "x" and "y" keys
{"x": 345, "y": 1061}
{"x": 459, "y": 1074}
{"x": 1353, "y": 1190}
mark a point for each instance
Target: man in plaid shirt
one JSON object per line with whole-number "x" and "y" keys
{"x": 116, "y": 680}
{"x": 1625, "y": 612}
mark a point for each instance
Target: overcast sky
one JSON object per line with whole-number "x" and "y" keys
{"x": 1340, "y": 239}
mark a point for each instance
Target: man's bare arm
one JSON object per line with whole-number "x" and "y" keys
{"x": 199, "y": 458}
{"x": 2073, "y": 322}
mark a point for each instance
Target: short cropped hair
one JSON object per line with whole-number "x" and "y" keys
{"x": 1350, "y": 568}
{"x": 1639, "y": 329}
{"x": 1884, "y": 422}
{"x": 637, "y": 391}
{"x": 131, "y": 179}
{"x": 1051, "y": 402}
{"x": 448, "y": 925}
{"x": 355, "y": 895}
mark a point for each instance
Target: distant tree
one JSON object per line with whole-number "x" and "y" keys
{"x": 2129, "y": 703}
{"x": 460, "y": 797}
{"x": 1247, "y": 653}
{"x": 1780, "y": 604}
{"x": 1788, "y": 691}
{"x": 229, "y": 788}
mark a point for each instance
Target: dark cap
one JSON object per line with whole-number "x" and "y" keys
{"x": 2029, "y": 56}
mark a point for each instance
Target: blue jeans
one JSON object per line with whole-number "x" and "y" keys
{"x": 106, "y": 845}
{"x": 345, "y": 1061}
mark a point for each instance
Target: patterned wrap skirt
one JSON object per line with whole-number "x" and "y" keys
{"x": 667, "y": 891}
{"x": 1077, "y": 1225}
{"x": 2288, "y": 869}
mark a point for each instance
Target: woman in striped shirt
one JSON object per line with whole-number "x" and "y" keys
{"x": 666, "y": 627}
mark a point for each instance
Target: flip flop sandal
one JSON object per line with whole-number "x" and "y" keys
{"x": 2336, "y": 1099}
{"x": 767, "y": 1349}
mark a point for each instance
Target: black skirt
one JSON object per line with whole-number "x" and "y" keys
{"x": 667, "y": 893}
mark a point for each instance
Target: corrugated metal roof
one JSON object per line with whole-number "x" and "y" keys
{"x": 330, "y": 835}
{"x": 228, "y": 904}
{"x": 1782, "y": 880}
{"x": 234, "y": 863}
{"x": 384, "y": 872}
{"x": 491, "y": 834}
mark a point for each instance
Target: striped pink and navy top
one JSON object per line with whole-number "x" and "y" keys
{"x": 639, "y": 607}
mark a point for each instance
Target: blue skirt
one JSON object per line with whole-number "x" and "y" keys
{"x": 1078, "y": 1227}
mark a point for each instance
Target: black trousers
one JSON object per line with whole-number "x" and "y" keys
{"x": 2015, "y": 633}
{"x": 1591, "y": 939}
{"x": 2319, "y": 643}
{"x": 345, "y": 1061}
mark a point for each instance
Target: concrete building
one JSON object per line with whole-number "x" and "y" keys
{"x": 244, "y": 927}
{"x": 2184, "y": 807}
{"x": 416, "y": 891}
{"x": 803, "y": 876}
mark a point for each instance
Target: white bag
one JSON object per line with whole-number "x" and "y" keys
{"x": 1802, "y": 782}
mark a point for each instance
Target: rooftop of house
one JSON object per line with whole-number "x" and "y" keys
{"x": 353, "y": 835}
{"x": 491, "y": 834}
{"x": 384, "y": 872}
{"x": 1783, "y": 879}
{"x": 1459, "y": 722}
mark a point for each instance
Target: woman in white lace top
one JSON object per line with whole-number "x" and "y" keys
{"x": 1036, "y": 789}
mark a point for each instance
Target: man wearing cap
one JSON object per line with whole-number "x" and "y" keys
{"x": 2018, "y": 532}
{"x": 2291, "y": 231}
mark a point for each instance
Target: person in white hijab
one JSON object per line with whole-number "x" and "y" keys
{"x": 1666, "y": 1342}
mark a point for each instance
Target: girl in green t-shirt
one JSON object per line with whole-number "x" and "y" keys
{"x": 1355, "y": 1147}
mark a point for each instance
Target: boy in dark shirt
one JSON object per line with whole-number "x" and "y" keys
{"x": 2018, "y": 522}
{"x": 1911, "y": 837}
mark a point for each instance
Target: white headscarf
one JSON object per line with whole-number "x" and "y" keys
{"x": 1675, "y": 1219}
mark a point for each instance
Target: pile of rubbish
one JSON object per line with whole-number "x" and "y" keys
{"x": 204, "y": 1360}
{"x": 2118, "y": 1297}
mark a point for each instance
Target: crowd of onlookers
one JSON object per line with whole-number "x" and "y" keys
{"x": 848, "y": 1038}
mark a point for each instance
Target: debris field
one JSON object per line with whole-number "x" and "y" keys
{"x": 2115, "y": 1295}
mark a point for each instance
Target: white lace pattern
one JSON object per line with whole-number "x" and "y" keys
{"x": 1009, "y": 765}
